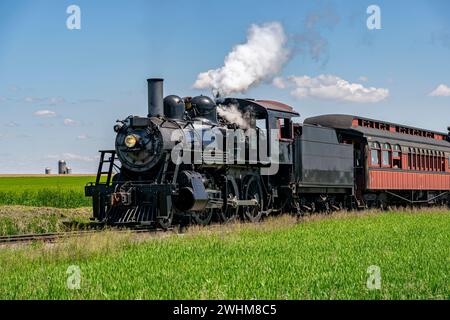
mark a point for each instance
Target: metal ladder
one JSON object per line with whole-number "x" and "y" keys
{"x": 110, "y": 160}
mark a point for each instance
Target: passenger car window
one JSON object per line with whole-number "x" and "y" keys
{"x": 385, "y": 158}
{"x": 375, "y": 154}
{"x": 397, "y": 157}
{"x": 374, "y": 160}
{"x": 386, "y": 155}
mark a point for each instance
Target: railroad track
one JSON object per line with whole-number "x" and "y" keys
{"x": 50, "y": 237}
{"x": 44, "y": 236}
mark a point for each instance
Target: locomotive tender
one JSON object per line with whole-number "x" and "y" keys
{"x": 163, "y": 169}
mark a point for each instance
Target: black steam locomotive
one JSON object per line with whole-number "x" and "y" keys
{"x": 196, "y": 159}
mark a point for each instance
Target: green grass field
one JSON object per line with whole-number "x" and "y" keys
{"x": 320, "y": 258}
{"x": 53, "y": 191}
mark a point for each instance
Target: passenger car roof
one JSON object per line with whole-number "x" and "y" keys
{"x": 390, "y": 133}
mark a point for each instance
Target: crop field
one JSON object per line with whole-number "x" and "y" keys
{"x": 316, "y": 258}
{"x": 42, "y": 191}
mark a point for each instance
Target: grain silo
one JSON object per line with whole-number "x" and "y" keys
{"x": 48, "y": 170}
{"x": 62, "y": 167}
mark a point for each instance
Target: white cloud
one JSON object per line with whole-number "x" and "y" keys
{"x": 279, "y": 82}
{"x": 70, "y": 122}
{"x": 259, "y": 59}
{"x": 52, "y": 156}
{"x": 12, "y": 124}
{"x": 363, "y": 79}
{"x": 11, "y": 136}
{"x": 45, "y": 113}
{"x": 442, "y": 90}
{"x": 50, "y": 101}
{"x": 330, "y": 87}
{"x": 84, "y": 137}
{"x": 32, "y": 99}
{"x": 70, "y": 157}
{"x": 77, "y": 157}
{"x": 90, "y": 100}
{"x": 55, "y": 100}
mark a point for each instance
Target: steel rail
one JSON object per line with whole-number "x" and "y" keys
{"x": 49, "y": 237}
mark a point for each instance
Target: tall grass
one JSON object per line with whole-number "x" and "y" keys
{"x": 54, "y": 191}
{"x": 25, "y": 220}
{"x": 324, "y": 258}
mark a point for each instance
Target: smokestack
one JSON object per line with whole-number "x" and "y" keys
{"x": 155, "y": 97}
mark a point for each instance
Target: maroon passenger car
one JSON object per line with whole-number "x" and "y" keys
{"x": 394, "y": 163}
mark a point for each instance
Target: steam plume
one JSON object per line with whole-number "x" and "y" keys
{"x": 261, "y": 58}
{"x": 232, "y": 114}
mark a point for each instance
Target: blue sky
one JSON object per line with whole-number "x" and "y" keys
{"x": 61, "y": 90}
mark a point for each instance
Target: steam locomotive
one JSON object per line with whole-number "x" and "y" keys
{"x": 196, "y": 159}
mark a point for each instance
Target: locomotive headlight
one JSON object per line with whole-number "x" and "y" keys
{"x": 131, "y": 140}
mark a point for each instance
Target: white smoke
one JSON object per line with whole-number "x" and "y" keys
{"x": 261, "y": 58}
{"x": 232, "y": 114}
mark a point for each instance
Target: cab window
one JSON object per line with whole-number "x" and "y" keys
{"x": 285, "y": 128}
